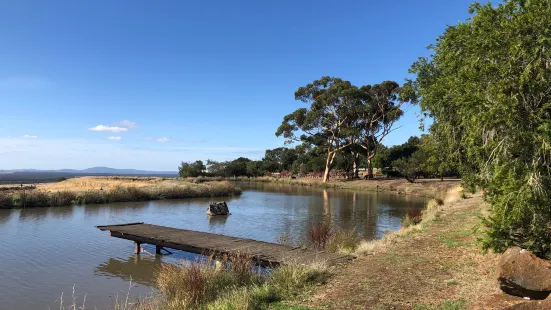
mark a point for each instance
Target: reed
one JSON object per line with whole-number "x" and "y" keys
{"x": 92, "y": 195}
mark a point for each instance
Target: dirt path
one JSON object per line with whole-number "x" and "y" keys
{"x": 439, "y": 267}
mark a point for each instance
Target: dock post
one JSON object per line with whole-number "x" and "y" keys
{"x": 137, "y": 247}
{"x": 158, "y": 249}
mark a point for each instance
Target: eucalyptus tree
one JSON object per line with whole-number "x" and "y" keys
{"x": 379, "y": 112}
{"x": 487, "y": 87}
{"x": 329, "y": 121}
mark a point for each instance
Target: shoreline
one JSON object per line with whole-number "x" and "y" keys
{"x": 429, "y": 188}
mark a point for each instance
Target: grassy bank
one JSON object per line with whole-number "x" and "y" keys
{"x": 99, "y": 190}
{"x": 435, "y": 264}
{"x": 235, "y": 286}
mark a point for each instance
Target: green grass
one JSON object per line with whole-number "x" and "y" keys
{"x": 456, "y": 240}
{"x": 280, "y": 306}
{"x": 200, "y": 286}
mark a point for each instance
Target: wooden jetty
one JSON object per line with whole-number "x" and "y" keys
{"x": 263, "y": 253}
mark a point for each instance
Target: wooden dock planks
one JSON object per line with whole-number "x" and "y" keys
{"x": 264, "y": 253}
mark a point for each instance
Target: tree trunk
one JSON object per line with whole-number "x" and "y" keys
{"x": 328, "y": 162}
{"x": 356, "y": 167}
{"x": 370, "y": 156}
{"x": 369, "y": 169}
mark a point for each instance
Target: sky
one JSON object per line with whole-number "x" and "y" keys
{"x": 147, "y": 84}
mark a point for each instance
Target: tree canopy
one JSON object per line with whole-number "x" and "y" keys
{"x": 487, "y": 87}
{"x": 329, "y": 120}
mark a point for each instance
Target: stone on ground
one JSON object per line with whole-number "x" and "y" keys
{"x": 523, "y": 274}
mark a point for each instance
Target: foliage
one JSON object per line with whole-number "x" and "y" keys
{"x": 329, "y": 120}
{"x": 195, "y": 169}
{"x": 411, "y": 167}
{"x": 387, "y": 156}
{"x": 233, "y": 168}
{"x": 487, "y": 88}
{"x": 379, "y": 111}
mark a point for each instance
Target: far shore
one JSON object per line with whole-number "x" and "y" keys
{"x": 100, "y": 190}
{"x": 430, "y": 188}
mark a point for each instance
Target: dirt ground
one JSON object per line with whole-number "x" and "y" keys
{"x": 438, "y": 267}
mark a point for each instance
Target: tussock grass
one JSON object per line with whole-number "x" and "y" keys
{"x": 239, "y": 285}
{"x": 343, "y": 241}
{"x": 322, "y": 236}
{"x": 108, "y": 190}
{"x": 430, "y": 214}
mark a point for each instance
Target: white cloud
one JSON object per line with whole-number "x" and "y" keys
{"x": 127, "y": 123}
{"x": 114, "y": 138}
{"x": 30, "y": 137}
{"x": 108, "y": 128}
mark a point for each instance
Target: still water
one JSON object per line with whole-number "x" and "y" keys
{"x": 46, "y": 252}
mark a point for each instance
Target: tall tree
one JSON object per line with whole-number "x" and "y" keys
{"x": 487, "y": 87}
{"x": 328, "y": 121}
{"x": 380, "y": 109}
{"x": 194, "y": 169}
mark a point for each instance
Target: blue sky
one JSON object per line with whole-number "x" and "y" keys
{"x": 147, "y": 84}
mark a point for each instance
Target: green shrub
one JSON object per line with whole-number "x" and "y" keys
{"x": 493, "y": 113}
{"x": 343, "y": 241}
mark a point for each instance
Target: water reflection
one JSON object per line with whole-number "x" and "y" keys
{"x": 219, "y": 220}
{"x": 136, "y": 268}
{"x": 46, "y": 250}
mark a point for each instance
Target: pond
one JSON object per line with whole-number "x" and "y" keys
{"x": 46, "y": 252}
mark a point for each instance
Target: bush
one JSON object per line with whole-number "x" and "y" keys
{"x": 413, "y": 217}
{"x": 343, "y": 241}
{"x": 318, "y": 234}
{"x": 494, "y": 113}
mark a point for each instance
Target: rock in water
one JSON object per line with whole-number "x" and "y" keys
{"x": 523, "y": 274}
{"x": 218, "y": 208}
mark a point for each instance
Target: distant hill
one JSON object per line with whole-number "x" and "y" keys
{"x": 18, "y": 176}
{"x": 98, "y": 170}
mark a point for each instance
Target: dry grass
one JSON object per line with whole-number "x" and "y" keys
{"x": 235, "y": 286}
{"x": 432, "y": 265}
{"x": 318, "y": 234}
{"x": 343, "y": 241}
{"x": 431, "y": 212}
{"x": 97, "y": 190}
{"x": 433, "y": 188}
